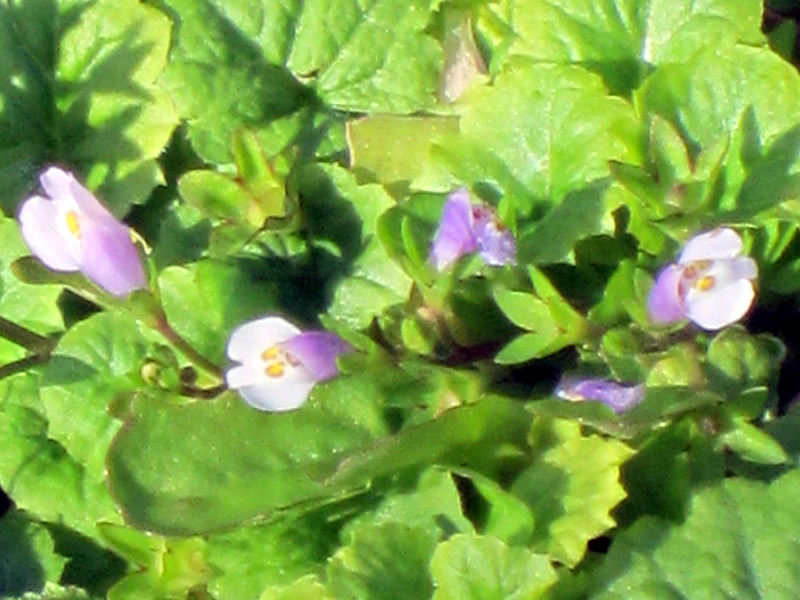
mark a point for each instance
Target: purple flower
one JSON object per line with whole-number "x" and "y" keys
{"x": 466, "y": 228}
{"x": 616, "y": 396}
{"x": 69, "y": 230}
{"x": 279, "y": 364}
{"x": 711, "y": 284}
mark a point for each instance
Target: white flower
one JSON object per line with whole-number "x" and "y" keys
{"x": 279, "y": 364}
{"x": 69, "y": 230}
{"x": 711, "y": 284}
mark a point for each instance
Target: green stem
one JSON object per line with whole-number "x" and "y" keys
{"x": 26, "y": 338}
{"x": 163, "y": 327}
{"x": 23, "y": 364}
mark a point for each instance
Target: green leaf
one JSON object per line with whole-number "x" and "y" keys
{"x": 737, "y": 360}
{"x": 734, "y": 90}
{"x": 376, "y": 284}
{"x": 470, "y": 567}
{"x": 340, "y": 211}
{"x": 388, "y": 561}
{"x": 580, "y": 214}
{"x": 571, "y": 488}
{"x": 619, "y": 39}
{"x": 37, "y": 472}
{"x": 96, "y": 362}
{"x": 225, "y": 72}
{"x": 368, "y": 56}
{"x": 506, "y": 517}
{"x": 743, "y": 521}
{"x": 525, "y": 310}
{"x": 529, "y": 346}
{"x": 205, "y": 301}
{"x": 225, "y": 463}
{"x": 79, "y": 89}
{"x": 478, "y": 436}
{"x": 31, "y": 306}
{"x": 753, "y": 444}
{"x": 29, "y": 560}
{"x": 433, "y": 504}
{"x": 305, "y": 588}
{"x": 558, "y": 130}
{"x": 396, "y": 150}
{"x": 248, "y": 559}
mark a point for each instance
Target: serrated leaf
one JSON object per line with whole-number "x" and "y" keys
{"x": 470, "y": 567}
{"x": 368, "y": 56}
{"x": 559, "y": 130}
{"x": 655, "y": 558}
{"x": 388, "y": 561}
{"x": 571, "y": 488}
{"x": 619, "y": 39}
{"x": 305, "y": 588}
{"x": 79, "y": 89}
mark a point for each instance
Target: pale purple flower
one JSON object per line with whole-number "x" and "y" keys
{"x": 466, "y": 228}
{"x": 279, "y": 364}
{"x": 711, "y": 284}
{"x": 616, "y": 396}
{"x": 69, "y": 230}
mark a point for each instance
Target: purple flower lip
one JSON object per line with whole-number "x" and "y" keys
{"x": 618, "y": 397}
{"x": 69, "y": 230}
{"x": 711, "y": 284}
{"x": 466, "y": 228}
{"x": 278, "y": 364}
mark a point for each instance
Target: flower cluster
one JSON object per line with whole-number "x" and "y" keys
{"x": 69, "y": 230}
{"x": 279, "y": 364}
{"x": 711, "y": 284}
{"x": 466, "y": 228}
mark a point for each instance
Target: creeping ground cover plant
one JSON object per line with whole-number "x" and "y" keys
{"x": 399, "y": 299}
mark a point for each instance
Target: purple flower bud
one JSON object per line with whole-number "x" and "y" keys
{"x": 69, "y": 230}
{"x": 279, "y": 364}
{"x": 466, "y": 228}
{"x": 711, "y": 284}
{"x": 616, "y": 396}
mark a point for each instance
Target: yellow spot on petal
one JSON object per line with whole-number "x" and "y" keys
{"x": 270, "y": 353}
{"x": 73, "y": 224}
{"x": 705, "y": 283}
{"x": 276, "y": 369}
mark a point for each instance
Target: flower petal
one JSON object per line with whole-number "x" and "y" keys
{"x": 497, "y": 244}
{"x": 109, "y": 258}
{"x": 57, "y": 183}
{"x": 455, "y": 236}
{"x": 250, "y": 339}
{"x": 279, "y": 394}
{"x": 318, "y": 350}
{"x": 39, "y": 222}
{"x": 616, "y": 396}
{"x": 720, "y": 306}
{"x": 664, "y": 302}
{"x": 719, "y": 243}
